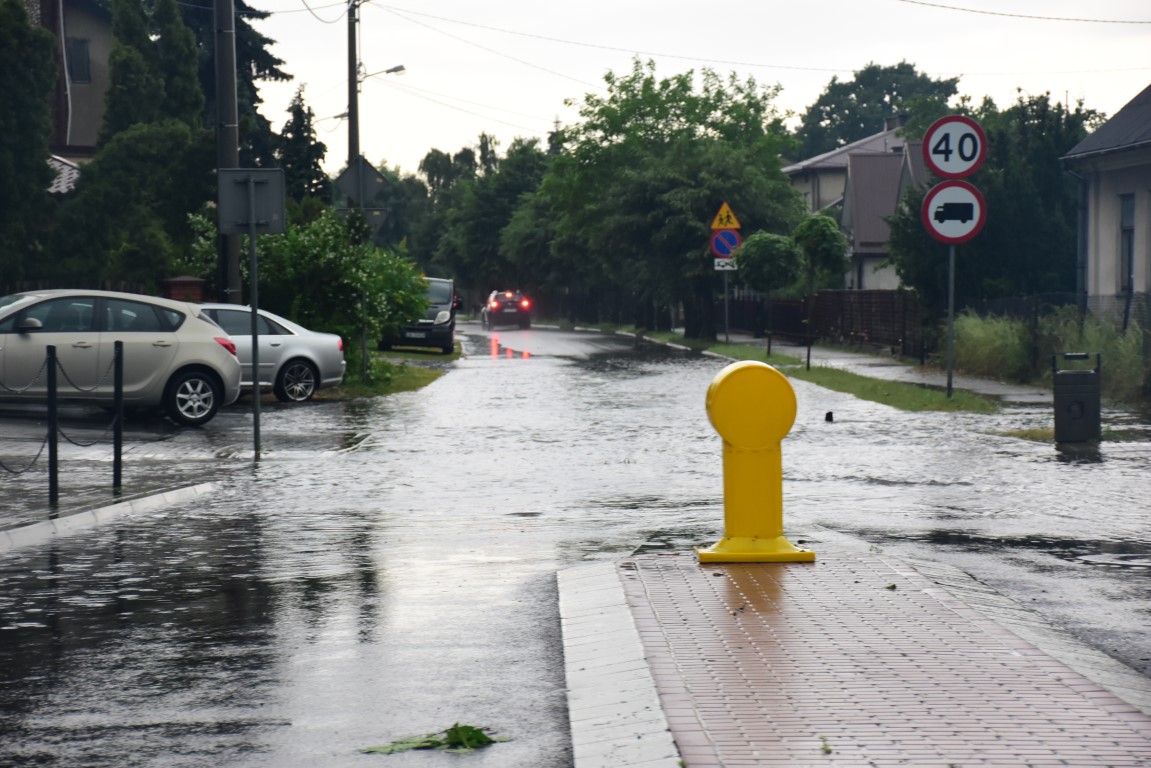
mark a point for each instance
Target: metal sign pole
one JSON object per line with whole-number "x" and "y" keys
{"x": 726, "y": 321}
{"x": 251, "y": 203}
{"x": 118, "y": 418}
{"x": 950, "y": 315}
{"x": 254, "y": 279}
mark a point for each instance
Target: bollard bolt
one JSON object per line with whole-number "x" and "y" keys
{"x": 752, "y": 407}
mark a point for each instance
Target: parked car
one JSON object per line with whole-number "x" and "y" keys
{"x": 506, "y": 308}
{"x": 437, "y": 328}
{"x": 175, "y": 357}
{"x": 294, "y": 361}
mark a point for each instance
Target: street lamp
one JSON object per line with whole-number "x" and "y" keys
{"x": 389, "y": 71}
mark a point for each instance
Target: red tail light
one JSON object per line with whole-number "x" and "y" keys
{"x": 340, "y": 344}
{"x": 526, "y": 304}
{"x": 227, "y": 344}
{"x": 495, "y": 304}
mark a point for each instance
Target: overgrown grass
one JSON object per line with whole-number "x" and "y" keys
{"x": 992, "y": 347}
{"x": 1015, "y": 350}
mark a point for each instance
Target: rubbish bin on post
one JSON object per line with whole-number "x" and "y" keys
{"x": 1076, "y": 401}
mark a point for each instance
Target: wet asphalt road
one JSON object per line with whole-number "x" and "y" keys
{"x": 388, "y": 568}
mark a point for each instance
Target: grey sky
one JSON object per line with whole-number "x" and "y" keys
{"x": 506, "y": 67}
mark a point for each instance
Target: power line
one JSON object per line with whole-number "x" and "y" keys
{"x": 399, "y": 12}
{"x": 1023, "y": 16}
{"x": 422, "y": 95}
{"x": 414, "y": 91}
{"x": 401, "y": 15}
{"x": 759, "y": 65}
{"x": 316, "y": 16}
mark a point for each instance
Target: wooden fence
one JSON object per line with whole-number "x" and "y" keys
{"x": 881, "y": 318}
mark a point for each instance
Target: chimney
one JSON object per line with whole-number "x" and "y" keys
{"x": 895, "y": 121}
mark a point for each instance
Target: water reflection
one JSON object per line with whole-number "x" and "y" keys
{"x": 1079, "y": 453}
{"x": 494, "y": 347}
{"x": 392, "y": 566}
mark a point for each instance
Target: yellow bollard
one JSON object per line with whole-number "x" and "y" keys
{"x": 752, "y": 407}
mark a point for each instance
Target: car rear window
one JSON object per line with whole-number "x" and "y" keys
{"x": 137, "y": 317}
{"x": 238, "y": 322}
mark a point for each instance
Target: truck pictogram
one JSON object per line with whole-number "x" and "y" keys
{"x": 961, "y": 212}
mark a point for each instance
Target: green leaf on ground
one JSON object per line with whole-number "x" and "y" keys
{"x": 458, "y": 738}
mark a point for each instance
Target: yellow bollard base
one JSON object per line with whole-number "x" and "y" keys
{"x": 748, "y": 549}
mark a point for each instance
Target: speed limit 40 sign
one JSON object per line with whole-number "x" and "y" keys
{"x": 954, "y": 147}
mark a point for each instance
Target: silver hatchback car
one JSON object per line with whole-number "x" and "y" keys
{"x": 294, "y": 361}
{"x": 174, "y": 356}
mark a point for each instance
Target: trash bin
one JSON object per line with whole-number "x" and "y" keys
{"x": 1076, "y": 400}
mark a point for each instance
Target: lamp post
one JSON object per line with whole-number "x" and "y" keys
{"x": 355, "y": 162}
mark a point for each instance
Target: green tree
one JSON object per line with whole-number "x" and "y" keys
{"x": 1027, "y": 245}
{"x": 824, "y": 248}
{"x": 299, "y": 154}
{"x": 27, "y": 76}
{"x": 470, "y": 248}
{"x": 136, "y": 88}
{"x": 174, "y": 63}
{"x": 768, "y": 262}
{"x": 644, "y": 172}
{"x": 854, "y": 109}
{"x": 128, "y": 219}
{"x": 254, "y": 64}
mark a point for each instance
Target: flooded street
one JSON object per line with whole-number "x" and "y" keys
{"x": 389, "y": 568}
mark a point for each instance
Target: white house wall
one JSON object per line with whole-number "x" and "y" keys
{"x": 1108, "y": 182}
{"x": 87, "y": 100}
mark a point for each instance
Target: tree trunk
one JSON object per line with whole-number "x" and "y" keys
{"x": 699, "y": 310}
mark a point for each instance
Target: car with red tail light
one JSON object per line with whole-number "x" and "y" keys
{"x": 506, "y": 308}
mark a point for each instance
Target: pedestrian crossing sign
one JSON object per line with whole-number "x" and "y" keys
{"x": 725, "y": 219}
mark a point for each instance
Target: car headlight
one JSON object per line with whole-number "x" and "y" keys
{"x": 443, "y": 317}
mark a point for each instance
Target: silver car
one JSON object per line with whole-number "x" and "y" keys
{"x": 174, "y": 356}
{"x": 294, "y": 361}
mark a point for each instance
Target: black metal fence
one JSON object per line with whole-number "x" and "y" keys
{"x": 882, "y": 318}
{"x": 52, "y": 371}
{"x": 896, "y": 319}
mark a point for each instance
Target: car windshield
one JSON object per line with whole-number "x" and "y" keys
{"x": 439, "y": 293}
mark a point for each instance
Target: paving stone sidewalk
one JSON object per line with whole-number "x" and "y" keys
{"x": 858, "y": 659}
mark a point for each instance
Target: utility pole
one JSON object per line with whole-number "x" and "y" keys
{"x": 227, "y": 140}
{"x": 353, "y": 85}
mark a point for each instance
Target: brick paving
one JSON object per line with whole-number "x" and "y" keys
{"x": 854, "y": 660}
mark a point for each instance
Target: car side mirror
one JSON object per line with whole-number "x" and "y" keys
{"x": 29, "y": 324}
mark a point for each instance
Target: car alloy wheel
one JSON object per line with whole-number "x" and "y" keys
{"x": 296, "y": 382}
{"x": 192, "y": 398}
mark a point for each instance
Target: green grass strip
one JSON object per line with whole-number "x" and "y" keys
{"x": 897, "y": 394}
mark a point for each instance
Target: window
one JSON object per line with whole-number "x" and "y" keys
{"x": 1126, "y": 243}
{"x": 132, "y": 316}
{"x": 238, "y": 322}
{"x": 79, "y": 65}
{"x": 67, "y": 315}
